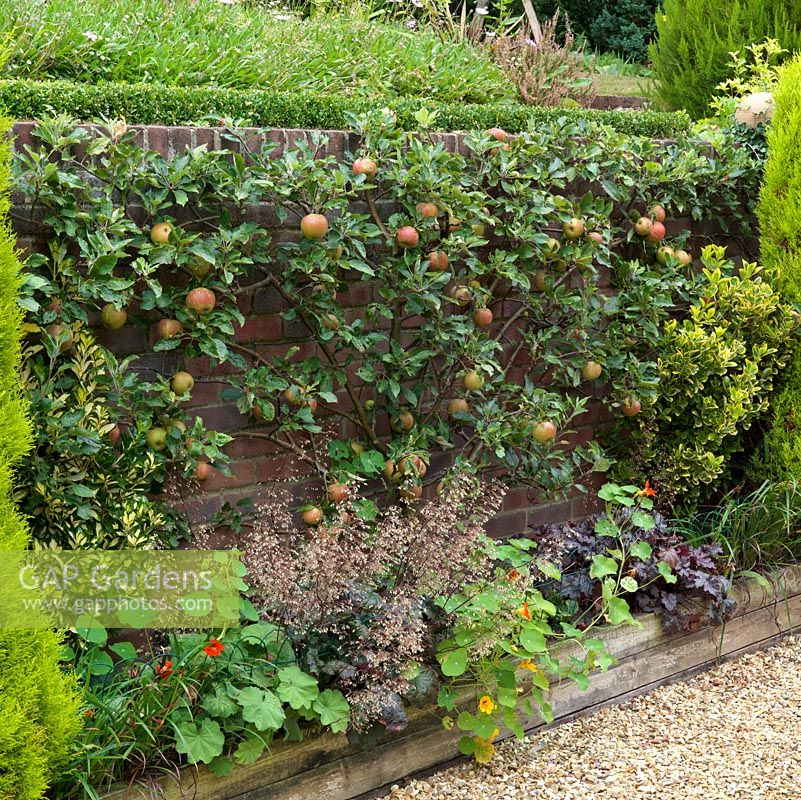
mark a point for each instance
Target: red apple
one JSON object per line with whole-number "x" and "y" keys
{"x": 438, "y": 261}
{"x": 338, "y": 492}
{"x": 365, "y": 166}
{"x": 657, "y": 232}
{"x": 201, "y": 301}
{"x": 203, "y": 471}
{"x": 544, "y": 432}
{"x": 591, "y": 371}
{"x": 167, "y": 328}
{"x": 314, "y": 226}
{"x": 498, "y": 133}
{"x": 482, "y": 317}
{"x": 685, "y": 259}
{"x": 407, "y": 236}
{"x": 631, "y": 406}
{"x": 312, "y": 516}
{"x": 427, "y": 210}
{"x": 657, "y": 212}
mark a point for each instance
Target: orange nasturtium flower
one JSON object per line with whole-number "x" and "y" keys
{"x": 646, "y": 491}
{"x": 512, "y": 575}
{"x": 523, "y": 611}
{"x": 528, "y": 664}
{"x": 214, "y": 648}
{"x": 164, "y": 670}
{"x": 486, "y": 704}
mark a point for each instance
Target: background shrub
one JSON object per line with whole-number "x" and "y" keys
{"x": 779, "y": 214}
{"x": 691, "y": 53}
{"x": 621, "y": 26}
{"x": 138, "y": 103}
{"x": 38, "y": 713}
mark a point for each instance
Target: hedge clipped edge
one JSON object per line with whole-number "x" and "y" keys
{"x": 38, "y": 708}
{"x": 146, "y": 104}
{"x": 779, "y": 214}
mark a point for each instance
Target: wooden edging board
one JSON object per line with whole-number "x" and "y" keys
{"x": 328, "y": 767}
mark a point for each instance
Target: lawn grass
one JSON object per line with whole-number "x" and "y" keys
{"x": 208, "y": 43}
{"x": 621, "y": 85}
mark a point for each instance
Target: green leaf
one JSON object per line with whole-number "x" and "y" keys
{"x": 125, "y": 650}
{"x": 90, "y": 630}
{"x": 221, "y": 766}
{"x": 642, "y": 550}
{"x": 533, "y": 640}
{"x": 666, "y": 572}
{"x": 201, "y": 742}
{"x": 219, "y": 703}
{"x": 333, "y": 709}
{"x": 261, "y": 707}
{"x": 642, "y": 520}
{"x": 249, "y": 750}
{"x": 452, "y": 660}
{"x": 602, "y": 566}
{"x": 296, "y": 687}
{"x": 629, "y": 584}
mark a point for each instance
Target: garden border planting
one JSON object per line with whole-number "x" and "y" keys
{"x": 327, "y": 766}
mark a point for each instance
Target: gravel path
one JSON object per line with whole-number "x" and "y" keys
{"x": 733, "y": 732}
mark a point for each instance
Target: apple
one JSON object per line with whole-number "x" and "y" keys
{"x": 498, "y": 133}
{"x": 454, "y": 223}
{"x": 258, "y": 412}
{"x": 114, "y": 434}
{"x": 167, "y": 328}
{"x": 182, "y": 382}
{"x": 427, "y": 210}
{"x": 330, "y": 322}
{"x": 413, "y": 492}
{"x": 458, "y": 406}
{"x": 405, "y": 421}
{"x": 365, "y": 166}
{"x": 539, "y": 282}
{"x": 62, "y": 334}
{"x": 291, "y": 397}
{"x": 335, "y": 253}
{"x": 338, "y": 492}
{"x": 591, "y": 371}
{"x": 552, "y": 247}
{"x": 201, "y": 301}
{"x": 311, "y": 404}
{"x": 412, "y": 465}
{"x": 685, "y": 259}
{"x": 389, "y": 469}
{"x": 55, "y": 305}
{"x": 657, "y": 232}
{"x": 596, "y": 237}
{"x": 407, "y": 236}
{"x": 631, "y": 406}
{"x": 664, "y": 253}
{"x": 657, "y": 212}
{"x": 642, "y": 227}
{"x": 160, "y": 233}
{"x": 157, "y": 439}
{"x": 461, "y": 294}
{"x": 478, "y": 228}
{"x": 482, "y": 317}
{"x": 314, "y": 226}
{"x": 437, "y": 261}
{"x": 369, "y": 405}
{"x": 312, "y": 516}
{"x": 199, "y": 267}
{"x": 176, "y": 423}
{"x": 473, "y": 380}
{"x": 573, "y": 228}
{"x": 203, "y": 471}
{"x": 544, "y": 432}
{"x": 112, "y": 317}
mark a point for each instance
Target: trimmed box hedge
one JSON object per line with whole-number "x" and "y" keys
{"x": 146, "y": 104}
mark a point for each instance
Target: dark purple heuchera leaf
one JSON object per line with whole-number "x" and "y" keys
{"x": 699, "y": 597}
{"x": 393, "y": 715}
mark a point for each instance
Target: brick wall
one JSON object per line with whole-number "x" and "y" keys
{"x": 256, "y": 463}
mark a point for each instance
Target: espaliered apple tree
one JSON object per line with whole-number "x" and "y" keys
{"x": 488, "y": 332}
